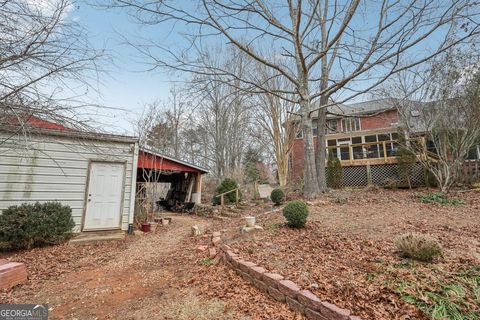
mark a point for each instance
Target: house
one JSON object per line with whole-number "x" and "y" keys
{"x": 364, "y": 137}
{"x": 95, "y": 174}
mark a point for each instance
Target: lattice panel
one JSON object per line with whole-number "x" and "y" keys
{"x": 382, "y": 174}
{"x": 355, "y": 176}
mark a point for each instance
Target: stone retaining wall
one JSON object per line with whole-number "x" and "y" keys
{"x": 286, "y": 291}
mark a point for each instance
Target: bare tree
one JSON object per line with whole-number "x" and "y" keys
{"x": 273, "y": 115}
{"x": 43, "y": 55}
{"x": 441, "y": 105}
{"x": 222, "y": 113}
{"x": 339, "y": 50}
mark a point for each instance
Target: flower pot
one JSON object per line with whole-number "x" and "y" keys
{"x": 153, "y": 226}
{"x": 146, "y": 227}
{"x": 250, "y": 221}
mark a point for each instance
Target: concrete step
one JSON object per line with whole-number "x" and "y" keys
{"x": 92, "y": 236}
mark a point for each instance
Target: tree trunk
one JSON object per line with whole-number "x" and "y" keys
{"x": 320, "y": 154}
{"x": 310, "y": 187}
{"x": 282, "y": 169}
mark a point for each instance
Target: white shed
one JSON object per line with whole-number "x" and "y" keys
{"x": 94, "y": 174}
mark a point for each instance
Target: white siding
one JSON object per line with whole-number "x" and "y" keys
{"x": 51, "y": 168}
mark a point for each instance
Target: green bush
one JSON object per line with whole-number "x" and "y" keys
{"x": 418, "y": 246}
{"x": 226, "y": 185}
{"x": 31, "y": 225}
{"x": 334, "y": 172}
{"x": 296, "y": 213}
{"x": 277, "y": 196}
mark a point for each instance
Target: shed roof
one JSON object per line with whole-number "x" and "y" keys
{"x": 148, "y": 159}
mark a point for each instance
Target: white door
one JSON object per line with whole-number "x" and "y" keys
{"x": 104, "y": 197}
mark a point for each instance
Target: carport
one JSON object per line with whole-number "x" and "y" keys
{"x": 155, "y": 171}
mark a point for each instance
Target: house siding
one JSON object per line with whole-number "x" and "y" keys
{"x": 55, "y": 168}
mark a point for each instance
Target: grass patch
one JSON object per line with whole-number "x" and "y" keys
{"x": 207, "y": 261}
{"x": 456, "y": 297}
{"x": 194, "y": 307}
{"x": 437, "y": 197}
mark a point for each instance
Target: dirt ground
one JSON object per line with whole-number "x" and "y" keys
{"x": 157, "y": 276}
{"x": 346, "y": 253}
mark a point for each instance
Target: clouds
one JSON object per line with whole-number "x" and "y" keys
{"x": 50, "y": 7}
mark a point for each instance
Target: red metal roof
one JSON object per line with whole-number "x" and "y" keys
{"x": 37, "y": 123}
{"x": 152, "y": 160}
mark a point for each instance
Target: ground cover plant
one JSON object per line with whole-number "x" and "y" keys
{"x": 438, "y": 197}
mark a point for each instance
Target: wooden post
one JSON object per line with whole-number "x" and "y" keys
{"x": 384, "y": 151}
{"x": 236, "y": 197}
{"x": 350, "y": 151}
{"x": 369, "y": 174}
{"x": 221, "y": 201}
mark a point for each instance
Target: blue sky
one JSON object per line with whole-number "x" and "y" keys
{"x": 126, "y": 85}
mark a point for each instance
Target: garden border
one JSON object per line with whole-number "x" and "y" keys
{"x": 284, "y": 290}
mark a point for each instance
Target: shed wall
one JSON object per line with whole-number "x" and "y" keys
{"x": 52, "y": 168}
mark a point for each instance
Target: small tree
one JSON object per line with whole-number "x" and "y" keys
{"x": 334, "y": 171}
{"x": 226, "y": 185}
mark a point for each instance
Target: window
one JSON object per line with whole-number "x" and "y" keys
{"x": 351, "y": 124}
{"x": 314, "y": 127}
{"x": 331, "y": 126}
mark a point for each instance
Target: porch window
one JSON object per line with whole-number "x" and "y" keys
{"x": 371, "y": 149}
{"x": 344, "y": 146}
{"x": 351, "y": 124}
{"x": 357, "y": 150}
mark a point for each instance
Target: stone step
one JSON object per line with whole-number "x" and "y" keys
{"x": 93, "y": 236}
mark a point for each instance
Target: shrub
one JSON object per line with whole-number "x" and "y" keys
{"x": 418, "y": 246}
{"x": 31, "y": 225}
{"x": 277, "y": 196}
{"x": 296, "y": 213}
{"x": 226, "y": 185}
{"x": 334, "y": 172}
{"x": 438, "y": 198}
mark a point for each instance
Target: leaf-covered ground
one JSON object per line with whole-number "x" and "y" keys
{"x": 346, "y": 254}
{"x": 157, "y": 276}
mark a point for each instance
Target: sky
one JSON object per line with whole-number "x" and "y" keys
{"x": 126, "y": 85}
